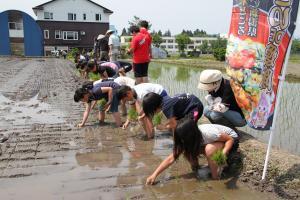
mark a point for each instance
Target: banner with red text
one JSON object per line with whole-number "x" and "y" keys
{"x": 259, "y": 36}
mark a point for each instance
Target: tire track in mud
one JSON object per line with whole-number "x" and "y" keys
{"x": 23, "y": 83}
{"x": 35, "y": 144}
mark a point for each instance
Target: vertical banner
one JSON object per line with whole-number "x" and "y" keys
{"x": 259, "y": 36}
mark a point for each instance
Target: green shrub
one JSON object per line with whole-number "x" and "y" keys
{"x": 219, "y": 54}
{"x": 219, "y": 158}
{"x": 71, "y": 54}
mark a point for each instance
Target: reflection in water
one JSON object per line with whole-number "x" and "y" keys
{"x": 182, "y": 74}
{"x": 182, "y": 79}
{"x": 163, "y": 145}
{"x": 155, "y": 73}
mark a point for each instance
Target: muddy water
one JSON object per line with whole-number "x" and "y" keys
{"x": 31, "y": 111}
{"x": 46, "y": 157}
{"x": 182, "y": 79}
{"x": 113, "y": 165}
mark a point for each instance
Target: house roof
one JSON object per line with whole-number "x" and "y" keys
{"x": 40, "y": 7}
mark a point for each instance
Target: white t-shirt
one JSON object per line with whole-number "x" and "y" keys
{"x": 124, "y": 80}
{"x": 115, "y": 42}
{"x": 145, "y": 88}
{"x": 212, "y": 132}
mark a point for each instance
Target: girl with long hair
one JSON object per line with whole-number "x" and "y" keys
{"x": 191, "y": 140}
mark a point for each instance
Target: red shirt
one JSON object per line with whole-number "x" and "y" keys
{"x": 145, "y": 32}
{"x": 140, "y": 46}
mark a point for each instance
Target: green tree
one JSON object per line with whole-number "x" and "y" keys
{"x": 135, "y": 21}
{"x": 295, "y": 49}
{"x": 219, "y": 43}
{"x": 124, "y": 32}
{"x": 219, "y": 54}
{"x": 219, "y": 48}
{"x": 204, "y": 47}
{"x": 182, "y": 40}
{"x": 200, "y": 33}
{"x": 167, "y": 33}
{"x": 156, "y": 39}
{"x": 159, "y": 33}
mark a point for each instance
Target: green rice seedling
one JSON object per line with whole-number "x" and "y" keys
{"x": 101, "y": 103}
{"x": 157, "y": 119}
{"x": 132, "y": 114}
{"x": 219, "y": 158}
{"x": 93, "y": 76}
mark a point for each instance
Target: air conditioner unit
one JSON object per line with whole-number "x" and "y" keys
{"x": 82, "y": 32}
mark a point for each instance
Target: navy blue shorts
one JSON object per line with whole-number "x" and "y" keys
{"x": 114, "y": 106}
{"x": 140, "y": 69}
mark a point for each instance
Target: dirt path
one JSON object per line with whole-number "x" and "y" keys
{"x": 46, "y": 157}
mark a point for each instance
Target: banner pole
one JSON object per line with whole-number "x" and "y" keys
{"x": 278, "y": 98}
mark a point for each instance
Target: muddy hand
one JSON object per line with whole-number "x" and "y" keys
{"x": 125, "y": 125}
{"x": 80, "y": 125}
{"x": 150, "y": 180}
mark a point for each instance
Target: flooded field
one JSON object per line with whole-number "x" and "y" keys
{"x": 46, "y": 157}
{"x": 179, "y": 79}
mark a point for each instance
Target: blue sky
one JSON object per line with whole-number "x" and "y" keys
{"x": 210, "y": 15}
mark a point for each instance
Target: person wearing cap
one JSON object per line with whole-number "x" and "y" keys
{"x": 139, "y": 47}
{"x": 102, "y": 48}
{"x": 222, "y": 107}
{"x": 114, "y": 45}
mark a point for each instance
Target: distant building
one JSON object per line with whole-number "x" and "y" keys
{"x": 71, "y": 23}
{"x": 20, "y": 34}
{"x": 170, "y": 45}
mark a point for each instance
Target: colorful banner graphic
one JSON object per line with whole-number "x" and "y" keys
{"x": 259, "y": 37}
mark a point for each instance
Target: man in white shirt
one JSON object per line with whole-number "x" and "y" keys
{"x": 114, "y": 46}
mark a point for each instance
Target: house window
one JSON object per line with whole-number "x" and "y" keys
{"x": 71, "y": 16}
{"x": 48, "y": 15}
{"x": 170, "y": 46}
{"x": 98, "y": 17}
{"x": 84, "y": 16}
{"x": 46, "y": 34}
{"x": 58, "y": 34}
{"x": 70, "y": 35}
{"x": 15, "y": 26}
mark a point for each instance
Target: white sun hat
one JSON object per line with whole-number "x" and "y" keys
{"x": 100, "y": 36}
{"x": 209, "y": 79}
{"x": 109, "y": 31}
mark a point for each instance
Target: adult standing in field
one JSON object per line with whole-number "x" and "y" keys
{"x": 114, "y": 46}
{"x": 144, "y": 30}
{"x": 103, "y": 47}
{"x": 139, "y": 48}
